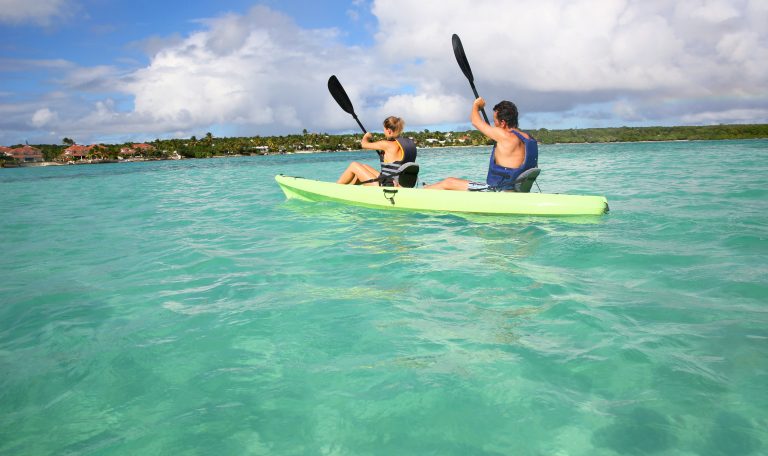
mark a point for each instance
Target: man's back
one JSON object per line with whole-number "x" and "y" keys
{"x": 510, "y": 150}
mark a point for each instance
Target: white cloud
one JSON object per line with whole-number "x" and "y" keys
{"x": 42, "y": 117}
{"x": 41, "y": 12}
{"x": 424, "y": 109}
{"x": 653, "y": 61}
{"x": 625, "y": 110}
{"x": 713, "y": 11}
{"x": 758, "y": 115}
{"x": 96, "y": 78}
{"x": 627, "y": 50}
{"x": 255, "y": 69}
{"x": 259, "y": 72}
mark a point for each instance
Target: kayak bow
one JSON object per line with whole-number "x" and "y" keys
{"x": 419, "y": 199}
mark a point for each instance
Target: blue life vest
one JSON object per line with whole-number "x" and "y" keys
{"x": 408, "y": 147}
{"x": 503, "y": 178}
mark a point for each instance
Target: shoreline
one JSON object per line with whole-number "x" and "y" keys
{"x": 309, "y": 152}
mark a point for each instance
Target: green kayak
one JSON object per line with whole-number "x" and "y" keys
{"x": 419, "y": 199}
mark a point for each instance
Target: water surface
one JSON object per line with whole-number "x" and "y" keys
{"x": 188, "y": 308}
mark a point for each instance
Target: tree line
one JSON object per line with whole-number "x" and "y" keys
{"x": 210, "y": 146}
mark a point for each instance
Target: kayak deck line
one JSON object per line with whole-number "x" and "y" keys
{"x": 420, "y": 199}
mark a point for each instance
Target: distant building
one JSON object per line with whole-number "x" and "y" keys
{"x": 77, "y": 151}
{"x": 5, "y": 151}
{"x": 27, "y": 154}
{"x": 137, "y": 149}
{"x": 144, "y": 147}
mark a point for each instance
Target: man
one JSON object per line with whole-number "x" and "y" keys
{"x": 515, "y": 151}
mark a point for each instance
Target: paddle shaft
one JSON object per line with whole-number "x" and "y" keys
{"x": 361, "y": 125}
{"x": 482, "y": 111}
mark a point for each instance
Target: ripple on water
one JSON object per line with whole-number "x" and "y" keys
{"x": 167, "y": 308}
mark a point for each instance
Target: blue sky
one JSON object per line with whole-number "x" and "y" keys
{"x": 115, "y": 71}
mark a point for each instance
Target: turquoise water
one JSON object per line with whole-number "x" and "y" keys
{"x": 188, "y": 308}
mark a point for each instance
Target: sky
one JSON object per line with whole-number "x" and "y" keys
{"x": 117, "y": 71}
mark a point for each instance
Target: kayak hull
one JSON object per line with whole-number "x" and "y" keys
{"x": 419, "y": 199}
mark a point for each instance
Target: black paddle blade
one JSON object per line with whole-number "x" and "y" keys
{"x": 338, "y": 93}
{"x": 461, "y": 57}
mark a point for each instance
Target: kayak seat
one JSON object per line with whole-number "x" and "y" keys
{"x": 525, "y": 180}
{"x": 406, "y": 176}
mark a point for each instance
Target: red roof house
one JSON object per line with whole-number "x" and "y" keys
{"x": 77, "y": 151}
{"x": 144, "y": 147}
{"x": 27, "y": 154}
{"x": 137, "y": 149}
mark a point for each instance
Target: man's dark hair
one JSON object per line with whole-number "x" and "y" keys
{"x": 506, "y": 111}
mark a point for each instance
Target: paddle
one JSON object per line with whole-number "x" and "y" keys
{"x": 341, "y": 97}
{"x": 461, "y": 57}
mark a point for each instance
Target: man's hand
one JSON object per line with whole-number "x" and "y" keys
{"x": 479, "y": 103}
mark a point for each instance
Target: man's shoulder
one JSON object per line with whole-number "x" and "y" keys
{"x": 521, "y": 132}
{"x": 510, "y": 137}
